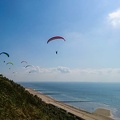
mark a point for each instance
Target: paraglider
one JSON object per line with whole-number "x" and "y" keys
{"x": 14, "y": 73}
{"x": 24, "y": 62}
{"x": 56, "y": 38}
{"x": 33, "y": 71}
{"x": 4, "y": 53}
{"x": 9, "y": 63}
{"x": 29, "y": 66}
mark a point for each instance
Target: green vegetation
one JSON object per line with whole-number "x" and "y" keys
{"x": 18, "y": 104}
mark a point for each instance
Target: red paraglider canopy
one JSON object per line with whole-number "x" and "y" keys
{"x": 54, "y": 38}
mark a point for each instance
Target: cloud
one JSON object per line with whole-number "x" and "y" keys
{"x": 59, "y": 69}
{"x": 63, "y": 69}
{"x": 114, "y": 18}
{"x": 95, "y": 75}
{"x": 81, "y": 72}
{"x": 102, "y": 71}
{"x": 61, "y": 73}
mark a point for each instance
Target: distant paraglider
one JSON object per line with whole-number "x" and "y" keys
{"x": 24, "y": 62}
{"x": 4, "y": 53}
{"x": 14, "y": 73}
{"x": 29, "y": 66}
{"x": 9, "y": 63}
{"x": 55, "y": 38}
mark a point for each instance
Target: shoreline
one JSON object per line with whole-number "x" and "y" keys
{"x": 98, "y": 114}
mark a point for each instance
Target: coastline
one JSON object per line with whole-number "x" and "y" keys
{"x": 99, "y": 114}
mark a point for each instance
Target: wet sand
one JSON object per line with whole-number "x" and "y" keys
{"x": 102, "y": 111}
{"x": 99, "y": 114}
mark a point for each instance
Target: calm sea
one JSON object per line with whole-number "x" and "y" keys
{"x": 86, "y": 96}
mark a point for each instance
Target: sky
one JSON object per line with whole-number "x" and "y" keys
{"x": 91, "y": 28}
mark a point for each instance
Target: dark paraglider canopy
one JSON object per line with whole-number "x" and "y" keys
{"x": 24, "y": 62}
{"x": 29, "y": 66}
{"x": 4, "y": 53}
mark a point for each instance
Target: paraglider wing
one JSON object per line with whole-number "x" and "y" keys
{"x": 54, "y": 38}
{"x": 23, "y": 62}
{"x": 32, "y": 71}
{"x": 29, "y": 66}
{"x": 4, "y": 53}
{"x": 9, "y": 63}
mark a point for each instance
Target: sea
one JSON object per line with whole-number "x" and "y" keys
{"x": 82, "y": 95}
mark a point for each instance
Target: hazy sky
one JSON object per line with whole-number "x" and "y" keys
{"x": 91, "y": 52}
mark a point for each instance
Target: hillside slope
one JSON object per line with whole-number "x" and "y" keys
{"x": 18, "y": 104}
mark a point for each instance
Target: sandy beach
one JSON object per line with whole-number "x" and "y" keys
{"x": 99, "y": 114}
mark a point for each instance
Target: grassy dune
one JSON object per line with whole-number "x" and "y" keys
{"x": 18, "y": 104}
